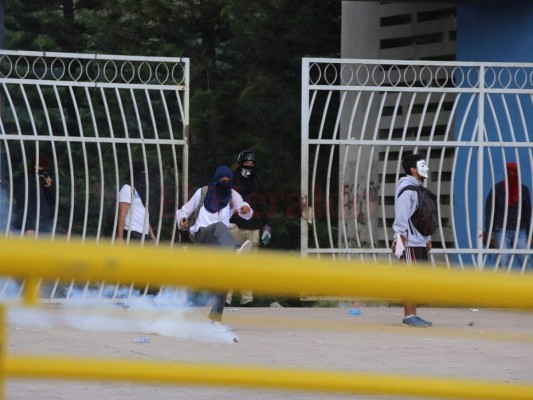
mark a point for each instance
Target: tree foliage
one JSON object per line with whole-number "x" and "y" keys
{"x": 245, "y": 70}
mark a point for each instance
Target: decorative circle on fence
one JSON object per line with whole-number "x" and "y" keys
{"x": 6, "y": 66}
{"x": 144, "y": 72}
{"x": 520, "y": 78}
{"x": 472, "y": 77}
{"x": 347, "y": 74}
{"x": 331, "y": 74}
{"x": 22, "y": 67}
{"x": 458, "y": 77}
{"x": 362, "y": 81}
{"x": 410, "y": 76}
{"x": 127, "y": 68}
{"x": 178, "y": 68}
{"x": 162, "y": 73}
{"x": 505, "y": 78}
{"x": 397, "y": 73}
{"x": 110, "y": 67}
{"x": 93, "y": 69}
{"x": 315, "y": 74}
{"x": 378, "y": 75}
{"x": 74, "y": 65}
{"x": 103, "y": 69}
{"x": 58, "y": 69}
{"x": 426, "y": 70}
{"x": 36, "y": 68}
{"x": 442, "y": 81}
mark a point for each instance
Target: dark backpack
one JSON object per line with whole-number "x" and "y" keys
{"x": 425, "y": 218}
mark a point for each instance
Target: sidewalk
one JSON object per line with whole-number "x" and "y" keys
{"x": 483, "y": 344}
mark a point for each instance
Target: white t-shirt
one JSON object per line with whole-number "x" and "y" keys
{"x": 136, "y": 212}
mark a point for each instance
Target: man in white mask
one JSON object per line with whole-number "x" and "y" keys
{"x": 414, "y": 244}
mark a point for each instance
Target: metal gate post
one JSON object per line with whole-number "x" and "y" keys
{"x": 481, "y": 148}
{"x": 304, "y": 184}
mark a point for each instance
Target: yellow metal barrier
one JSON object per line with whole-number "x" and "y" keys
{"x": 251, "y": 377}
{"x": 2, "y": 352}
{"x": 269, "y": 273}
{"x": 265, "y": 273}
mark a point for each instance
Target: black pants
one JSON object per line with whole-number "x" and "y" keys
{"x": 217, "y": 235}
{"x": 412, "y": 255}
{"x": 134, "y": 235}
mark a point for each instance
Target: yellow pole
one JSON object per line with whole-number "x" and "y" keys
{"x": 254, "y": 377}
{"x": 2, "y": 351}
{"x": 31, "y": 291}
{"x": 267, "y": 273}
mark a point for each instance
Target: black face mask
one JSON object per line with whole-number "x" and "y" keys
{"x": 224, "y": 185}
{"x": 43, "y": 175}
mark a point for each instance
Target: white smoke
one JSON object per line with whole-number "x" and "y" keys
{"x": 9, "y": 288}
{"x": 160, "y": 315}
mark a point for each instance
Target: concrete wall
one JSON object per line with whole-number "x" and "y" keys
{"x": 375, "y": 30}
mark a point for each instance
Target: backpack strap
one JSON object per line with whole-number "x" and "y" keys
{"x": 416, "y": 189}
{"x": 203, "y": 194}
{"x": 410, "y": 187}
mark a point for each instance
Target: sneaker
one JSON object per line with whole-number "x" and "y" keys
{"x": 414, "y": 322}
{"x": 218, "y": 327}
{"x": 249, "y": 304}
{"x": 429, "y": 323}
{"x": 246, "y": 247}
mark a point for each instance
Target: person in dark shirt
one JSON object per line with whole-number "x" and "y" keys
{"x": 248, "y": 183}
{"x": 508, "y": 217}
{"x": 35, "y": 197}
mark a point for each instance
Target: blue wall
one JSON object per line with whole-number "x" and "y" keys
{"x": 495, "y": 30}
{"x": 492, "y": 31}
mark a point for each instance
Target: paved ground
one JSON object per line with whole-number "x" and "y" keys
{"x": 485, "y": 344}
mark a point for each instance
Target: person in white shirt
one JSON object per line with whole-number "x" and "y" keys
{"x": 212, "y": 222}
{"x": 133, "y": 218}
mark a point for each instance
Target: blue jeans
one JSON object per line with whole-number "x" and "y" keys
{"x": 506, "y": 242}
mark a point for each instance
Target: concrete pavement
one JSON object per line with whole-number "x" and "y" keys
{"x": 485, "y": 344}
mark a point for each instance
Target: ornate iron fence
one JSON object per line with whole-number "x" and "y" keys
{"x": 360, "y": 117}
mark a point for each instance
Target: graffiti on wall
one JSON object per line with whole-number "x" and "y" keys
{"x": 360, "y": 203}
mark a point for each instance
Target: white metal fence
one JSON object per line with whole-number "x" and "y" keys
{"x": 91, "y": 116}
{"x": 361, "y": 117}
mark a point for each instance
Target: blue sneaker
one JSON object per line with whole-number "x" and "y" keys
{"x": 429, "y": 323}
{"x": 414, "y": 322}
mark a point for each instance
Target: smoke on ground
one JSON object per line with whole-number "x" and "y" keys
{"x": 161, "y": 315}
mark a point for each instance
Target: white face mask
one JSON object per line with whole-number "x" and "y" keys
{"x": 245, "y": 172}
{"x": 422, "y": 168}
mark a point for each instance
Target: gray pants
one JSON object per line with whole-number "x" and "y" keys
{"x": 217, "y": 235}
